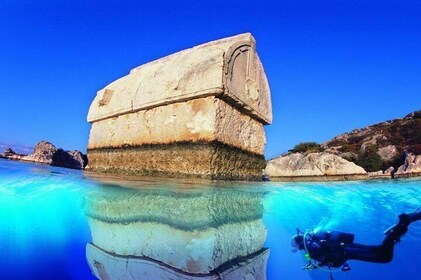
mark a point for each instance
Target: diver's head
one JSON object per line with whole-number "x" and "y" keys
{"x": 297, "y": 242}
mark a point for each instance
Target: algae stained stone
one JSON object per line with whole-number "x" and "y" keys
{"x": 196, "y": 113}
{"x": 159, "y": 234}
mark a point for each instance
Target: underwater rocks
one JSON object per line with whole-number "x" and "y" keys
{"x": 313, "y": 166}
{"x": 189, "y": 234}
{"x": 196, "y": 113}
{"x": 47, "y": 153}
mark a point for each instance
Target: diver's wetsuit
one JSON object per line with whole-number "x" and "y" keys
{"x": 333, "y": 249}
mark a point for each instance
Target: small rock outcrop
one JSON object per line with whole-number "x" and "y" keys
{"x": 69, "y": 159}
{"x": 196, "y": 113}
{"x": 411, "y": 166}
{"x": 43, "y": 153}
{"x": 313, "y": 166}
{"x": 382, "y": 174}
{"x": 47, "y": 153}
{"x": 10, "y": 154}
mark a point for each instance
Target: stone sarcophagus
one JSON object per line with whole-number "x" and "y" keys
{"x": 196, "y": 113}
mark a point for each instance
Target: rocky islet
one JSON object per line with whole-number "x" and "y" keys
{"x": 46, "y": 153}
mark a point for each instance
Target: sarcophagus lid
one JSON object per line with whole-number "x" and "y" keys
{"x": 229, "y": 69}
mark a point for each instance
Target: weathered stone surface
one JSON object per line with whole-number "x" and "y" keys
{"x": 388, "y": 153}
{"x": 186, "y": 211}
{"x": 106, "y": 266}
{"x": 229, "y": 67}
{"x": 313, "y": 165}
{"x": 205, "y": 160}
{"x": 43, "y": 153}
{"x": 212, "y": 93}
{"x": 411, "y": 167}
{"x": 198, "y": 251}
{"x": 202, "y": 230}
{"x": 199, "y": 120}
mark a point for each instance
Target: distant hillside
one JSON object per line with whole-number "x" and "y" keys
{"x": 381, "y": 145}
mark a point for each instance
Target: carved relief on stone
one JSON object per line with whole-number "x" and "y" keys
{"x": 246, "y": 81}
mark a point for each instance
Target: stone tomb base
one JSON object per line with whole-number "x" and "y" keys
{"x": 106, "y": 266}
{"x": 212, "y": 160}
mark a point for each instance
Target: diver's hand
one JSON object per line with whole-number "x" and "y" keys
{"x": 310, "y": 266}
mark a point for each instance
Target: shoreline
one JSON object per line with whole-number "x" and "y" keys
{"x": 109, "y": 178}
{"x": 341, "y": 178}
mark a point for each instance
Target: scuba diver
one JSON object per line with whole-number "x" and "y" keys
{"x": 332, "y": 249}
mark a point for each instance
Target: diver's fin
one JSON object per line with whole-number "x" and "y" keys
{"x": 401, "y": 227}
{"x": 404, "y": 221}
{"x": 415, "y": 215}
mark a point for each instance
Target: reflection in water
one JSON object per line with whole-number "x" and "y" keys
{"x": 168, "y": 234}
{"x": 44, "y": 231}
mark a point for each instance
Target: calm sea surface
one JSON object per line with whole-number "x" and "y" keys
{"x": 48, "y": 216}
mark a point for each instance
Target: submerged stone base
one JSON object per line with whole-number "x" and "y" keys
{"x": 188, "y": 211}
{"x": 197, "y": 251}
{"x": 212, "y": 160}
{"x": 105, "y": 266}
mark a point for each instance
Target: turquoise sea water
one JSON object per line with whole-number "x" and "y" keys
{"x": 44, "y": 213}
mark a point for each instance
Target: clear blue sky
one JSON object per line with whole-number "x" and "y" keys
{"x": 332, "y": 65}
